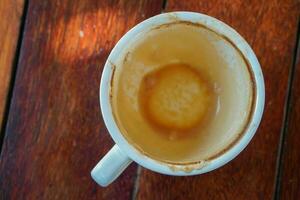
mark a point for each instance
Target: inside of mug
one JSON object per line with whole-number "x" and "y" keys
{"x": 216, "y": 58}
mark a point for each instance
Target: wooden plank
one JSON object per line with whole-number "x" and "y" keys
{"x": 10, "y": 19}
{"x": 270, "y": 28}
{"x": 290, "y": 176}
{"x": 55, "y": 134}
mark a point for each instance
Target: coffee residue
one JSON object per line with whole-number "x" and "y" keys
{"x": 175, "y": 99}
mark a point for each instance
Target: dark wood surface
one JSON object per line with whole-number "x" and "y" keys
{"x": 10, "y": 18}
{"x": 55, "y": 134}
{"x": 290, "y": 176}
{"x": 252, "y": 175}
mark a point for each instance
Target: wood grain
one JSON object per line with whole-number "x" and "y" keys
{"x": 290, "y": 176}
{"x": 55, "y": 134}
{"x": 10, "y": 18}
{"x": 270, "y": 28}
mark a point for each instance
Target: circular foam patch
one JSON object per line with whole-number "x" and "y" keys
{"x": 175, "y": 97}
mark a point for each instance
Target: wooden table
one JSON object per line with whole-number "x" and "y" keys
{"x": 52, "y": 134}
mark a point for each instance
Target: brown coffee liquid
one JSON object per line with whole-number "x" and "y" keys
{"x": 181, "y": 93}
{"x": 175, "y": 98}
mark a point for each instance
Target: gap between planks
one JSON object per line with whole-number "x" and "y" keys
{"x": 13, "y": 74}
{"x": 286, "y": 117}
{"x": 164, "y": 5}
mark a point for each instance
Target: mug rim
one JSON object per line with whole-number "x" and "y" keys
{"x": 183, "y": 169}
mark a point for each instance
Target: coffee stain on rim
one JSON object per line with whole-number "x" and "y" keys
{"x": 196, "y": 165}
{"x": 111, "y": 84}
{"x": 188, "y": 168}
{"x": 126, "y": 57}
{"x": 173, "y": 16}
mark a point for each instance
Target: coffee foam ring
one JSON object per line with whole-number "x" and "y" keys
{"x": 177, "y": 97}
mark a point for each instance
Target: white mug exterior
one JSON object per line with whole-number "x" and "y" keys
{"x": 118, "y": 159}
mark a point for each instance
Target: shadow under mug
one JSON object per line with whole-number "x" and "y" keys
{"x": 123, "y": 153}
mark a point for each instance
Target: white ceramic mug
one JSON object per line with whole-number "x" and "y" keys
{"x": 123, "y": 153}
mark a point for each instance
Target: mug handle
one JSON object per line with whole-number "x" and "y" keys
{"x": 110, "y": 166}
